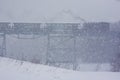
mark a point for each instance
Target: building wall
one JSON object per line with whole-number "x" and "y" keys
{"x": 95, "y": 43}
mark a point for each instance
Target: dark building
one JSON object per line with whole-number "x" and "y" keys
{"x": 94, "y": 42}
{"x": 96, "y": 28}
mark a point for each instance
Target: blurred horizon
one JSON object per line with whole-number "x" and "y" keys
{"x": 42, "y": 10}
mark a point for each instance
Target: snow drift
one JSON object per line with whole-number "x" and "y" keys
{"x": 19, "y": 70}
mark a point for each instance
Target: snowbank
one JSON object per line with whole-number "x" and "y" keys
{"x": 18, "y": 70}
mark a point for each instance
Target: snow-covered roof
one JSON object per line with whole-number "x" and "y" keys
{"x": 65, "y": 17}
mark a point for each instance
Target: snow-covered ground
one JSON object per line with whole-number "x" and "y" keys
{"x": 18, "y": 70}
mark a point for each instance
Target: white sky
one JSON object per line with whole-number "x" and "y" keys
{"x": 36, "y": 10}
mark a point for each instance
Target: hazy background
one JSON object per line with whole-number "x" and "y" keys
{"x": 40, "y": 10}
